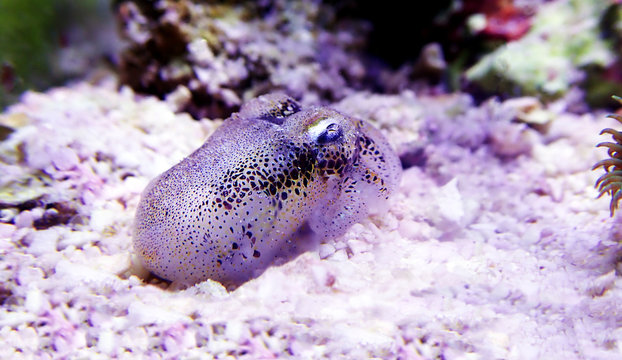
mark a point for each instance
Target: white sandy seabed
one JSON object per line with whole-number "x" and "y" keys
{"x": 493, "y": 248}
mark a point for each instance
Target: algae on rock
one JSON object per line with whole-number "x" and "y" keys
{"x": 564, "y": 38}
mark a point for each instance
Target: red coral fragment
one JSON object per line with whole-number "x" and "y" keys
{"x": 507, "y": 26}
{"x": 503, "y": 19}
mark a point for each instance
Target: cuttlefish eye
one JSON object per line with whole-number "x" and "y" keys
{"x": 331, "y": 134}
{"x": 326, "y": 131}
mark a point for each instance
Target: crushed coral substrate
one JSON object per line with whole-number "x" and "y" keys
{"x": 493, "y": 248}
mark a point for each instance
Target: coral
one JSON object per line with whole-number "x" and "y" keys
{"x": 611, "y": 181}
{"x": 221, "y": 54}
{"x": 564, "y": 38}
{"x": 500, "y": 19}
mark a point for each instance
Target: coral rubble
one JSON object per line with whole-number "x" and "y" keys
{"x": 219, "y": 54}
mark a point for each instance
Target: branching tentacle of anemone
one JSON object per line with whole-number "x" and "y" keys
{"x": 611, "y": 181}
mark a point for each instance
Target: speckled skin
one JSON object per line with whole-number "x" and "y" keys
{"x": 235, "y": 205}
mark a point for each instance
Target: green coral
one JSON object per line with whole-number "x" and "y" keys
{"x": 564, "y": 37}
{"x": 611, "y": 181}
